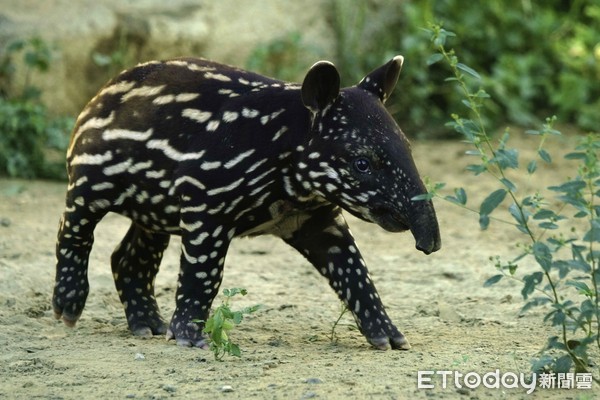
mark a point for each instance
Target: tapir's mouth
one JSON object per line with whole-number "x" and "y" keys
{"x": 389, "y": 219}
{"x": 423, "y": 225}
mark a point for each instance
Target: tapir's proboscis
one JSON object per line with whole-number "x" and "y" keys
{"x": 210, "y": 152}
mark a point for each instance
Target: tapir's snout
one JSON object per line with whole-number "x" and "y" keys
{"x": 425, "y": 228}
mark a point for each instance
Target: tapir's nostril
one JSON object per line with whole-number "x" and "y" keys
{"x": 426, "y": 231}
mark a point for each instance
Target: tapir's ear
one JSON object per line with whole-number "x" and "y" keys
{"x": 321, "y": 86}
{"x": 382, "y": 81}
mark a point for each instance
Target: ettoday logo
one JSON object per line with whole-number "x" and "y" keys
{"x": 503, "y": 380}
{"x": 472, "y": 380}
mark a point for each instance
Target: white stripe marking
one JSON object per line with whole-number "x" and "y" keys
{"x": 227, "y": 188}
{"x": 233, "y": 162}
{"x": 170, "y": 152}
{"x": 144, "y": 91}
{"x": 219, "y": 77}
{"x": 91, "y": 159}
{"x": 118, "y": 134}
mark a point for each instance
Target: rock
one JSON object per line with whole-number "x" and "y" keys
{"x": 226, "y": 389}
{"x": 145, "y": 30}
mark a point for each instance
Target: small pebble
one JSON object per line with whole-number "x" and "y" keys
{"x": 139, "y": 356}
{"x": 5, "y": 222}
{"x": 226, "y": 389}
{"x": 169, "y": 388}
{"x": 313, "y": 381}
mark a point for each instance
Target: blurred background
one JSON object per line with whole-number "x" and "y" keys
{"x": 535, "y": 58}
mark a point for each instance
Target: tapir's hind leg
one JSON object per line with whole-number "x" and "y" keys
{"x": 135, "y": 263}
{"x": 73, "y": 246}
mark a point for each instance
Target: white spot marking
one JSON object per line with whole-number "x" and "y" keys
{"x": 250, "y": 113}
{"x": 196, "y": 115}
{"x": 219, "y": 77}
{"x": 230, "y": 116}
{"x": 212, "y": 125}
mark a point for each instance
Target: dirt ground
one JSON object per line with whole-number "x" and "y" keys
{"x": 438, "y": 301}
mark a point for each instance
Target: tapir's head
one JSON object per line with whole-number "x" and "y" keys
{"x": 357, "y": 156}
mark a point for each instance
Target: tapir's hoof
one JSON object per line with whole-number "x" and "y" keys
{"x": 69, "y": 320}
{"x": 384, "y": 343}
{"x": 198, "y": 340}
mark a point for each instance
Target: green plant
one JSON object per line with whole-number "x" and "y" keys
{"x": 532, "y": 56}
{"x": 30, "y": 140}
{"x": 286, "y": 57}
{"x": 222, "y": 321}
{"x": 332, "y": 334}
{"x": 37, "y": 56}
{"x": 561, "y": 236}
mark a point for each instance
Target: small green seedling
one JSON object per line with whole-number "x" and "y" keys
{"x": 332, "y": 334}
{"x": 223, "y": 320}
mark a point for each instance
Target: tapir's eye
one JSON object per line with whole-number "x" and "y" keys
{"x": 362, "y": 165}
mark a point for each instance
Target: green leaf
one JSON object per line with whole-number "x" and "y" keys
{"x": 532, "y": 167}
{"x": 548, "y": 225}
{"x": 484, "y": 221}
{"x": 509, "y": 184}
{"x": 507, "y": 158}
{"x": 569, "y": 187}
{"x": 482, "y": 94}
{"x": 492, "y": 201}
{"x": 422, "y": 197}
{"x": 576, "y": 156}
{"x": 468, "y": 104}
{"x": 520, "y": 216}
{"x": 593, "y": 235}
{"x": 544, "y": 155}
{"x": 476, "y": 169}
{"x": 563, "y": 364}
{"x": 581, "y": 287}
{"x": 234, "y": 350}
{"x": 542, "y": 255}
{"x": 530, "y": 282}
{"x": 493, "y": 280}
{"x": 237, "y": 317}
{"x": 460, "y": 197}
{"x": 251, "y": 309}
{"x": 544, "y": 214}
{"x": 468, "y": 70}
{"x": 434, "y": 58}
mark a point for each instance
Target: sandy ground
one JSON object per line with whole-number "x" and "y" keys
{"x": 438, "y": 301}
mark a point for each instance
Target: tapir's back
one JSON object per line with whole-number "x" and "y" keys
{"x": 168, "y": 105}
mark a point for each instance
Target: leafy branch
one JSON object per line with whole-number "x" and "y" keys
{"x": 533, "y": 217}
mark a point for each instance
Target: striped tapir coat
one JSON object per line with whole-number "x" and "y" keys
{"x": 210, "y": 152}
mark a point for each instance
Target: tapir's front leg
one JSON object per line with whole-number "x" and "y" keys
{"x": 327, "y": 243}
{"x": 203, "y": 250}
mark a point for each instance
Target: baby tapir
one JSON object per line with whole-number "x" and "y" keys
{"x": 210, "y": 152}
